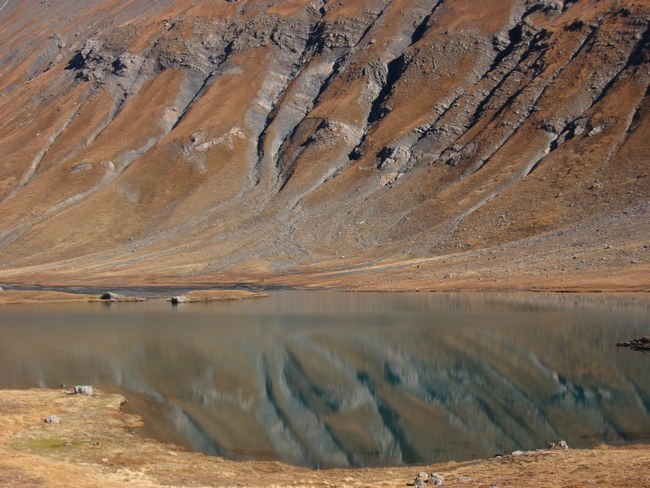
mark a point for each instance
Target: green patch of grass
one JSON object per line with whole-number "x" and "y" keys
{"x": 41, "y": 444}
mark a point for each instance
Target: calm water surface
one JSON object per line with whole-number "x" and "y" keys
{"x": 341, "y": 379}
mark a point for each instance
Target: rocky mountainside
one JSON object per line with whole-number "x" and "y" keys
{"x": 388, "y": 143}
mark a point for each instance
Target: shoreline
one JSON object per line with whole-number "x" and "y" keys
{"x": 92, "y": 438}
{"x": 16, "y": 296}
{"x": 152, "y": 292}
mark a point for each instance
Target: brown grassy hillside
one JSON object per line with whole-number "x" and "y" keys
{"x": 391, "y": 144}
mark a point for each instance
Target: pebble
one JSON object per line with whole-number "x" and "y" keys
{"x": 52, "y": 419}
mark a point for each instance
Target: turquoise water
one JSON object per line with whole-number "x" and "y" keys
{"x": 348, "y": 379}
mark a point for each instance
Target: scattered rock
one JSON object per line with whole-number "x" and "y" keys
{"x": 640, "y": 344}
{"x": 464, "y": 479}
{"x": 518, "y": 453}
{"x": 418, "y": 482}
{"x": 561, "y": 445}
{"x": 179, "y": 299}
{"x": 393, "y": 157}
{"x": 554, "y": 125}
{"x": 595, "y": 131}
{"x": 83, "y": 390}
{"x": 127, "y": 63}
{"x": 81, "y": 167}
{"x": 436, "y": 480}
{"x": 595, "y": 185}
{"x": 52, "y": 419}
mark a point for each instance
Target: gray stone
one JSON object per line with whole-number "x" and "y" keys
{"x": 52, "y": 419}
{"x": 561, "y": 445}
{"x": 83, "y": 390}
{"x": 595, "y": 131}
{"x": 81, "y": 167}
{"x": 436, "y": 480}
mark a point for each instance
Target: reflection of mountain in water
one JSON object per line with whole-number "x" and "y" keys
{"x": 355, "y": 379}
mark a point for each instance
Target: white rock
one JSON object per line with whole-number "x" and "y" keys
{"x": 83, "y": 390}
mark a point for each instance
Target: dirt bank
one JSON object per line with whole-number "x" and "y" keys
{"x": 9, "y": 297}
{"x": 92, "y": 439}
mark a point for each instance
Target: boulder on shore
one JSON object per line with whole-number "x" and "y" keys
{"x": 109, "y": 295}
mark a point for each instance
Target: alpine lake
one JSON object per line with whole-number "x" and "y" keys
{"x": 327, "y": 379}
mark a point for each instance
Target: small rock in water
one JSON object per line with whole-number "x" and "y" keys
{"x": 178, "y": 299}
{"x": 52, "y": 419}
{"x": 558, "y": 445}
{"x": 436, "y": 480}
{"x": 640, "y": 344}
{"x": 83, "y": 390}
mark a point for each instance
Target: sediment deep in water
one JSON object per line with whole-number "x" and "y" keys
{"x": 338, "y": 379}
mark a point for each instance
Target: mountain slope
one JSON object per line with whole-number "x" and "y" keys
{"x": 202, "y": 140}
